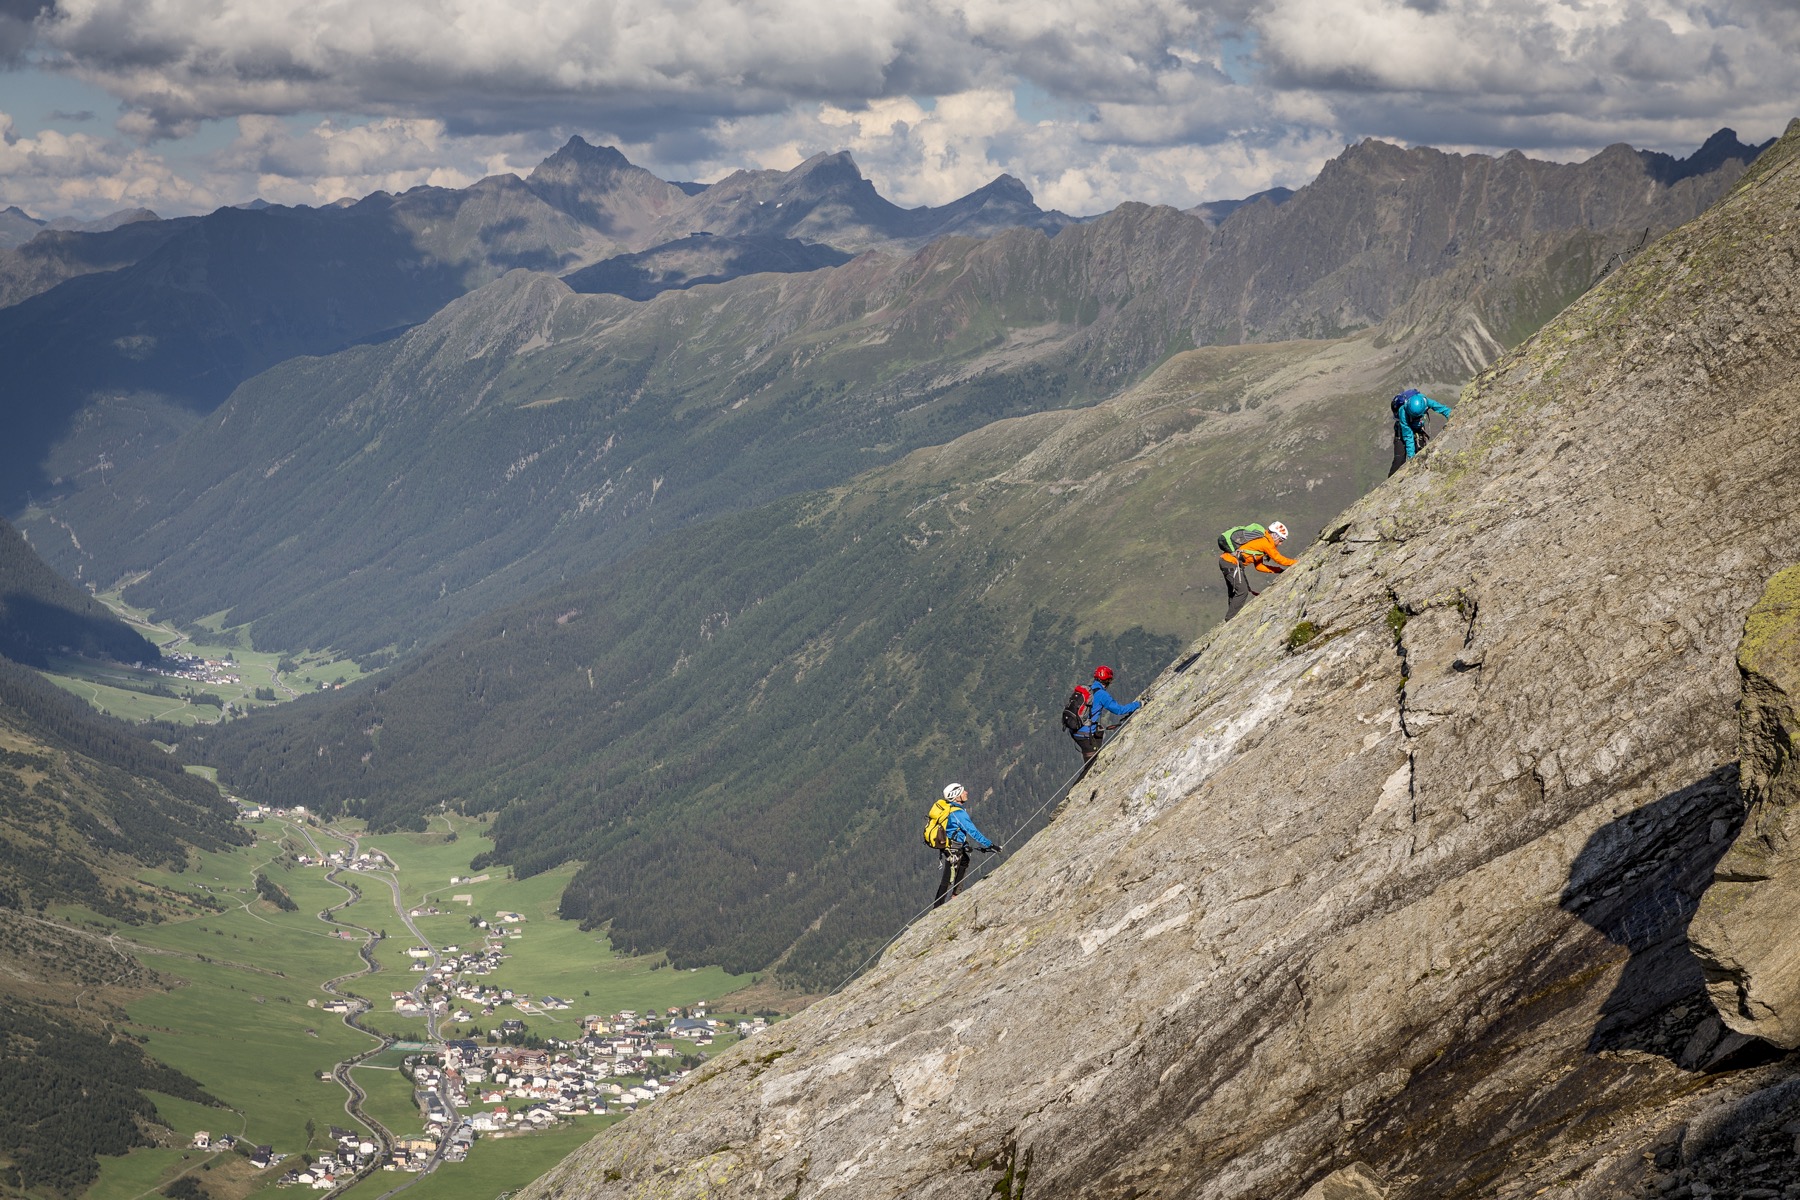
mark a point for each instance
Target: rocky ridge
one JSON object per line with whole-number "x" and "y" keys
{"x": 1398, "y": 871}
{"x": 1743, "y": 931}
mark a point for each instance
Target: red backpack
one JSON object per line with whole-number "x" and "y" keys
{"x": 1078, "y": 710}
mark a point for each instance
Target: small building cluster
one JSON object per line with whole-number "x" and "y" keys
{"x": 350, "y": 1154}
{"x": 368, "y": 860}
{"x": 194, "y": 669}
{"x": 620, "y": 1062}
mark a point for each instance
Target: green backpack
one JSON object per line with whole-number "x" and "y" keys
{"x": 1238, "y": 535}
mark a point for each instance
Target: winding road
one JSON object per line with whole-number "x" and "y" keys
{"x": 354, "y": 1096}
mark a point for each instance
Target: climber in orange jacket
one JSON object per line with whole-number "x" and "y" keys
{"x": 1249, "y": 546}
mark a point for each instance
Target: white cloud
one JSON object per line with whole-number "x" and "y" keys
{"x": 1537, "y": 74}
{"x": 53, "y": 174}
{"x": 1164, "y": 100}
{"x": 493, "y": 63}
{"x": 331, "y": 160}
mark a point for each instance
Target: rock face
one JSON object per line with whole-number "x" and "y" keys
{"x": 1412, "y": 894}
{"x": 1745, "y": 931}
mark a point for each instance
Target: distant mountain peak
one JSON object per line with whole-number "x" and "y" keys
{"x": 600, "y": 187}
{"x": 1005, "y": 187}
{"x": 827, "y": 170}
{"x": 578, "y": 159}
{"x": 828, "y": 158}
{"x": 1713, "y": 153}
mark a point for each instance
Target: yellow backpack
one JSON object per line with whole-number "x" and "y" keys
{"x": 937, "y": 834}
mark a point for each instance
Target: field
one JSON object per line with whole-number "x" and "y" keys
{"x": 390, "y": 1099}
{"x": 239, "y": 1023}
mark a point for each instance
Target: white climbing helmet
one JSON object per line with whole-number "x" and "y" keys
{"x": 1279, "y": 530}
{"x": 955, "y": 790}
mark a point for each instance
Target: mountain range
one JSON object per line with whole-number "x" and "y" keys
{"x": 524, "y": 434}
{"x": 710, "y": 581}
{"x": 117, "y": 337}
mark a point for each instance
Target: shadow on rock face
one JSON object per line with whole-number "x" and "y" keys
{"x": 1639, "y": 880}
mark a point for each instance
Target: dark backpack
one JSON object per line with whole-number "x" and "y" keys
{"x": 1399, "y": 402}
{"x": 1078, "y": 710}
{"x": 1237, "y": 535}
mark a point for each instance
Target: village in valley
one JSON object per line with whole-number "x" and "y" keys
{"x": 490, "y": 1061}
{"x": 475, "y": 1088}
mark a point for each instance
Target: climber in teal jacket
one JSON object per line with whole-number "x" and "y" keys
{"x": 1412, "y": 408}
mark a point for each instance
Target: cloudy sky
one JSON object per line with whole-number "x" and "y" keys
{"x": 183, "y": 105}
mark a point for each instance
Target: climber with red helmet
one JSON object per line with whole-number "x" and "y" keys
{"x": 1082, "y": 720}
{"x": 1412, "y": 409}
{"x": 1249, "y": 546}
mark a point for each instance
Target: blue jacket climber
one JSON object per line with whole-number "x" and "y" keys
{"x": 1411, "y": 410}
{"x": 1089, "y": 736}
{"x": 960, "y": 834}
{"x": 1103, "y": 702}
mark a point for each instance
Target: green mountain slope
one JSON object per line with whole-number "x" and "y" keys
{"x": 86, "y": 802}
{"x": 85, "y": 797}
{"x": 524, "y": 435}
{"x": 73, "y": 1093}
{"x": 239, "y": 290}
{"x": 41, "y": 612}
{"x": 736, "y": 728}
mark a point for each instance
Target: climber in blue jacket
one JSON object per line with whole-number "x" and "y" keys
{"x": 960, "y": 834}
{"x": 1090, "y": 733}
{"x": 1412, "y": 408}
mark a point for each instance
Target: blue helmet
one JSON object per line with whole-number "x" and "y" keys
{"x": 1415, "y": 404}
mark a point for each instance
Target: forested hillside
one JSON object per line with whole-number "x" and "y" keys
{"x": 83, "y": 793}
{"x": 737, "y": 729}
{"x": 85, "y": 803}
{"x": 380, "y": 497}
{"x": 72, "y": 1093}
{"x": 41, "y": 612}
